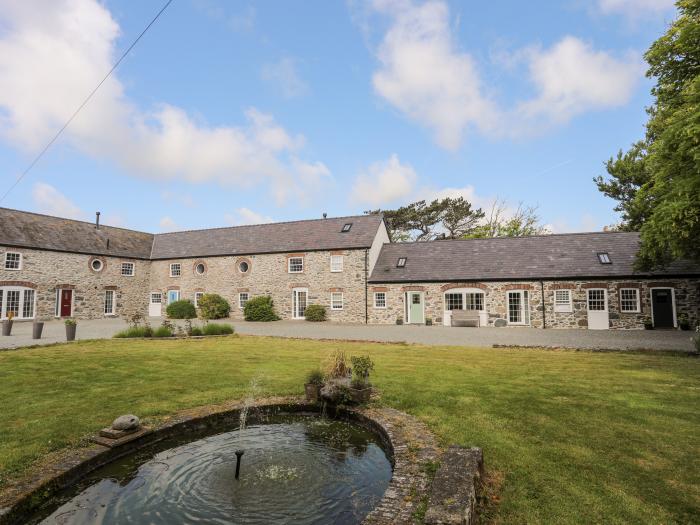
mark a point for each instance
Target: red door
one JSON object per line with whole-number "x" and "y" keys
{"x": 66, "y": 303}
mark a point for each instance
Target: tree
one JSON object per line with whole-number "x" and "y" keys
{"x": 657, "y": 182}
{"x": 458, "y": 218}
{"x": 523, "y": 222}
{"x": 419, "y": 221}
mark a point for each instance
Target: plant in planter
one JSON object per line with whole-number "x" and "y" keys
{"x": 7, "y": 324}
{"x": 428, "y": 321}
{"x": 683, "y": 322}
{"x": 337, "y": 374}
{"x": 71, "y": 326}
{"x": 360, "y": 388}
{"x": 399, "y": 320}
{"x": 313, "y": 384}
{"x": 648, "y": 325}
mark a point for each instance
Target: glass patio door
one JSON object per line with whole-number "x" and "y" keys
{"x": 299, "y": 300}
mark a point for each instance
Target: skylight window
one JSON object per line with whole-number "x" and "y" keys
{"x": 604, "y": 258}
{"x": 346, "y": 227}
{"x": 401, "y": 262}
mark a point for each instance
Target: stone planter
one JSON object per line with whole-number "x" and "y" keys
{"x": 313, "y": 392}
{"x": 70, "y": 332}
{"x": 360, "y": 395}
{"x": 37, "y": 328}
{"x": 7, "y": 327}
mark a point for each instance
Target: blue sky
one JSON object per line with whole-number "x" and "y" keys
{"x": 242, "y": 112}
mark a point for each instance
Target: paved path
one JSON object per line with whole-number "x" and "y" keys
{"x": 54, "y": 332}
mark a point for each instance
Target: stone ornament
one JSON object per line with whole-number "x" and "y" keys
{"x": 127, "y": 422}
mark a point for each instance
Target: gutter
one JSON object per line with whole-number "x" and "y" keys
{"x": 366, "y": 286}
{"x": 544, "y": 307}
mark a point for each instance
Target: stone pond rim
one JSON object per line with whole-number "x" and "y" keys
{"x": 410, "y": 446}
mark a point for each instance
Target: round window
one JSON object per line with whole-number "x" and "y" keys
{"x": 96, "y": 265}
{"x": 200, "y": 269}
{"x": 243, "y": 266}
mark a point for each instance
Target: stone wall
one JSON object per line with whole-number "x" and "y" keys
{"x": 46, "y": 270}
{"x": 268, "y": 275}
{"x": 687, "y": 298}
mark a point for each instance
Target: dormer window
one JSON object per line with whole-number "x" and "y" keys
{"x": 401, "y": 262}
{"x": 604, "y": 258}
{"x": 346, "y": 227}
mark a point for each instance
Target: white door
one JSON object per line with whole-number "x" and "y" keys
{"x": 154, "y": 305}
{"x": 299, "y": 297}
{"x": 598, "y": 309}
{"x": 518, "y": 307}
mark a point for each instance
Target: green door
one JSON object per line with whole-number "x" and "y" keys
{"x": 416, "y": 308}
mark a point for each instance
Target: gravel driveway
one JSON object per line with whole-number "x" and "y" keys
{"x": 54, "y": 332}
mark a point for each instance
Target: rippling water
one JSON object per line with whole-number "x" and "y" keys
{"x": 298, "y": 469}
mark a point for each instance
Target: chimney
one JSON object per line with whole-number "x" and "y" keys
{"x": 325, "y": 215}
{"x": 97, "y": 220}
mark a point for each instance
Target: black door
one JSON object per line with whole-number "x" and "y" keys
{"x": 662, "y": 301}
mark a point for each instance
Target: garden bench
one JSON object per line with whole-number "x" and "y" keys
{"x": 465, "y": 318}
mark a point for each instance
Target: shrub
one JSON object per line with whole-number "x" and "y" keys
{"x": 336, "y": 365}
{"x": 361, "y": 367}
{"x": 213, "y": 306}
{"x": 217, "y": 329}
{"x": 315, "y": 313}
{"x": 314, "y": 377}
{"x": 163, "y": 331}
{"x": 196, "y": 330}
{"x": 135, "y": 331}
{"x": 182, "y": 309}
{"x": 260, "y": 308}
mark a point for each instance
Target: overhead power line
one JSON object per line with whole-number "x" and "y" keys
{"x": 84, "y": 103}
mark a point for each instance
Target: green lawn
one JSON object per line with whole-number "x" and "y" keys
{"x": 568, "y": 437}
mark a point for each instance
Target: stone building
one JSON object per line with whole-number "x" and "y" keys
{"x": 578, "y": 280}
{"x": 54, "y": 267}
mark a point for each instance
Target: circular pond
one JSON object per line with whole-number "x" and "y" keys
{"x": 295, "y": 469}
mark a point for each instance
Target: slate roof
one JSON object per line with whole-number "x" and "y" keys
{"x": 32, "y": 230}
{"x": 280, "y": 237}
{"x": 517, "y": 258}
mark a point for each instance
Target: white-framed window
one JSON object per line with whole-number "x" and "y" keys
{"x": 200, "y": 268}
{"x": 175, "y": 270}
{"x": 13, "y": 261}
{"x": 336, "y": 263}
{"x": 474, "y": 301}
{"x": 197, "y": 297}
{"x": 518, "y": 307}
{"x": 96, "y": 265}
{"x": 109, "y": 302}
{"x": 17, "y": 301}
{"x": 295, "y": 264}
{"x": 380, "y": 299}
{"x": 336, "y": 300}
{"x": 629, "y": 300}
{"x": 454, "y": 301}
{"x": 242, "y": 299}
{"x": 562, "y": 301}
{"x": 128, "y": 269}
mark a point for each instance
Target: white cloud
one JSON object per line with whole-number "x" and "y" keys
{"x": 50, "y": 201}
{"x": 384, "y": 182}
{"x": 425, "y": 75}
{"x": 168, "y": 225}
{"x": 284, "y": 76}
{"x": 634, "y": 8}
{"x": 50, "y": 58}
{"x": 244, "y": 216}
{"x": 572, "y": 78}
{"x": 47, "y": 199}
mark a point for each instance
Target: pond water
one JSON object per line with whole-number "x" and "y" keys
{"x": 295, "y": 469}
